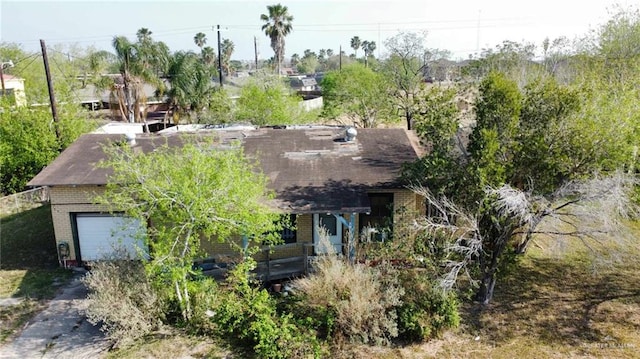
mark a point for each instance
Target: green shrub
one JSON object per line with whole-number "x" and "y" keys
{"x": 248, "y": 313}
{"x": 426, "y": 311}
{"x": 350, "y": 302}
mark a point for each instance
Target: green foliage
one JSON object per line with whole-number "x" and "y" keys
{"x": 534, "y": 140}
{"x": 493, "y": 143}
{"x": 191, "y": 87}
{"x": 426, "y": 311}
{"x": 188, "y": 194}
{"x": 221, "y": 109}
{"x": 436, "y": 123}
{"x": 65, "y": 64}
{"x": 350, "y": 302}
{"x": 249, "y": 314}
{"x": 277, "y": 26}
{"x": 405, "y": 70}
{"x": 358, "y": 92}
{"x": 308, "y": 64}
{"x": 268, "y": 103}
{"x": 29, "y": 141}
{"x": 511, "y": 58}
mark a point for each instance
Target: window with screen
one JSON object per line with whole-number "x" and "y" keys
{"x": 380, "y": 219}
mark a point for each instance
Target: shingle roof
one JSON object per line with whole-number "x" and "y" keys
{"x": 311, "y": 170}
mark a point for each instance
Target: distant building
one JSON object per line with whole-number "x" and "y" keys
{"x": 303, "y": 84}
{"x": 14, "y": 88}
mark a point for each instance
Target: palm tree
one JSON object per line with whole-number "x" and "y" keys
{"x": 369, "y": 47}
{"x": 144, "y": 34}
{"x": 200, "y": 39}
{"x": 191, "y": 85}
{"x": 208, "y": 55}
{"x": 278, "y": 25}
{"x": 355, "y": 44}
{"x": 227, "y": 47}
{"x": 138, "y": 63}
{"x": 329, "y": 52}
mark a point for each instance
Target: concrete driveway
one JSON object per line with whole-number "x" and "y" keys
{"x": 60, "y": 331}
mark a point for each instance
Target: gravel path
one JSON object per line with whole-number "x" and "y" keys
{"x": 60, "y": 331}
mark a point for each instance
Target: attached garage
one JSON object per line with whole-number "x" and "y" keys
{"x": 106, "y": 236}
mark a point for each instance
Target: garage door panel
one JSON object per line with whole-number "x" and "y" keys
{"x": 108, "y": 237}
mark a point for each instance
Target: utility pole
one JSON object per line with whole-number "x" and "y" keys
{"x": 52, "y": 98}
{"x": 219, "y": 59}
{"x": 255, "y": 50}
{"x": 340, "y": 57}
{"x": 2, "y": 76}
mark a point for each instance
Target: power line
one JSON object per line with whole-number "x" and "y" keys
{"x": 307, "y": 28}
{"x": 27, "y": 66}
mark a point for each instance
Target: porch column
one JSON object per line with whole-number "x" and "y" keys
{"x": 351, "y": 225}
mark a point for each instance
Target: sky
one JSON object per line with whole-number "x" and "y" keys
{"x": 462, "y": 26}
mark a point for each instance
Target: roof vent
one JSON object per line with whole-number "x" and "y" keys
{"x": 350, "y": 134}
{"x": 131, "y": 138}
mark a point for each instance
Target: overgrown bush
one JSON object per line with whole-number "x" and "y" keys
{"x": 123, "y": 300}
{"x": 350, "y": 302}
{"x": 426, "y": 311}
{"x": 248, "y": 313}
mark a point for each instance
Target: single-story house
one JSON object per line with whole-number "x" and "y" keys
{"x": 321, "y": 175}
{"x": 303, "y": 84}
{"x": 14, "y": 88}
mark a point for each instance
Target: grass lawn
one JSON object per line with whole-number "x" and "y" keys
{"x": 28, "y": 266}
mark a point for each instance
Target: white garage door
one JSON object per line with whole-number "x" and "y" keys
{"x": 108, "y": 237}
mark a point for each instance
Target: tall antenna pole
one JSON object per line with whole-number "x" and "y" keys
{"x": 219, "y": 59}
{"x": 52, "y": 98}
{"x": 255, "y": 50}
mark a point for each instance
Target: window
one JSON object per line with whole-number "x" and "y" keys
{"x": 289, "y": 234}
{"x": 380, "y": 219}
{"x": 329, "y": 222}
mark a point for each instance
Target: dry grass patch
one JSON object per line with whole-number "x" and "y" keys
{"x": 172, "y": 346}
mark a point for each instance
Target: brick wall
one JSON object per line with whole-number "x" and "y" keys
{"x": 68, "y": 200}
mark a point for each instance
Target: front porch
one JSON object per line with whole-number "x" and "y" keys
{"x": 272, "y": 263}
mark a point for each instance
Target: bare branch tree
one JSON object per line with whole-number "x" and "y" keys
{"x": 590, "y": 211}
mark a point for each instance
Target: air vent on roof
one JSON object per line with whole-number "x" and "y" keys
{"x": 350, "y": 134}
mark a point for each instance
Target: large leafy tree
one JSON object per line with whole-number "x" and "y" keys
{"x": 267, "y": 101}
{"x": 405, "y": 70}
{"x": 29, "y": 141}
{"x": 358, "y": 92}
{"x": 531, "y": 158}
{"x": 187, "y": 195}
{"x": 277, "y": 26}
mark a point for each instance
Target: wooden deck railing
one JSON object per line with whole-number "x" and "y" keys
{"x": 279, "y": 262}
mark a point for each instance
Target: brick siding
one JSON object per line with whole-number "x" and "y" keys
{"x": 66, "y": 201}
